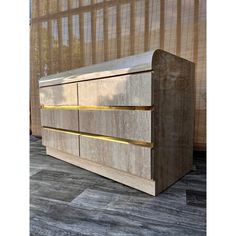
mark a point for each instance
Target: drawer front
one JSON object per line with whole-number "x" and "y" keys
{"x": 62, "y": 119}
{"x": 130, "y": 158}
{"x": 127, "y": 124}
{"x": 59, "y": 95}
{"x": 126, "y": 90}
{"x": 64, "y": 142}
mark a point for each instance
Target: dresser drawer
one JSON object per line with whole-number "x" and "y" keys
{"x": 127, "y": 124}
{"x": 65, "y": 142}
{"x": 130, "y": 158}
{"x": 59, "y": 95}
{"x": 62, "y": 119}
{"x": 126, "y": 90}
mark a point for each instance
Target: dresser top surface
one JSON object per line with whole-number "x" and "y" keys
{"x": 132, "y": 64}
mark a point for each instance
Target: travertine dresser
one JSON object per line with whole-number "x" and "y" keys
{"x": 130, "y": 119}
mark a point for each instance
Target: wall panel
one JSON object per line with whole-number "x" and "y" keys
{"x": 69, "y": 34}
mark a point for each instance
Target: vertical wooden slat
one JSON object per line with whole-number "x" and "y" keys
{"x": 34, "y": 101}
{"x": 49, "y": 41}
{"x": 59, "y": 30}
{"x": 146, "y": 34}
{"x": 178, "y": 28}
{"x": 118, "y": 30}
{"x": 195, "y": 43}
{"x": 70, "y": 33}
{"x": 32, "y": 76}
{"x": 198, "y": 113}
{"x": 39, "y": 40}
{"x": 93, "y": 33}
{"x": 105, "y": 30}
{"x": 132, "y": 26}
{"x": 162, "y": 23}
{"x": 81, "y": 32}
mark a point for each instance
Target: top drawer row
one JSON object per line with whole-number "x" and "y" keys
{"x": 126, "y": 90}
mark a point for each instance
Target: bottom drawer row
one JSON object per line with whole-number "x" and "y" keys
{"x": 130, "y": 158}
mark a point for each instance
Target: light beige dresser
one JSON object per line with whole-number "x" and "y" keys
{"x": 130, "y": 119}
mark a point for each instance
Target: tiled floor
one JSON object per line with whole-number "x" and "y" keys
{"x": 67, "y": 200}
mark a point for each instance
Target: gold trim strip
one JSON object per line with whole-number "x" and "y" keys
{"x": 102, "y": 137}
{"x": 68, "y": 107}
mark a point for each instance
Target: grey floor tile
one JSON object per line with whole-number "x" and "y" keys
{"x": 67, "y": 200}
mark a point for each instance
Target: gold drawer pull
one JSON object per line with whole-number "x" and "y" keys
{"x": 67, "y": 107}
{"x": 102, "y": 137}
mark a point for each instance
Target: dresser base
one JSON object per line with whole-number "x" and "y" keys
{"x": 144, "y": 185}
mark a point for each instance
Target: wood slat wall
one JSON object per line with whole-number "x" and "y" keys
{"x": 68, "y": 34}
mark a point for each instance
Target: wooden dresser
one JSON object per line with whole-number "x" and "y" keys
{"x": 130, "y": 119}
